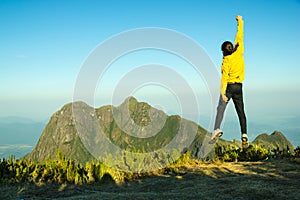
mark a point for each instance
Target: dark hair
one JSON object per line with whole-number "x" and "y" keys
{"x": 227, "y": 48}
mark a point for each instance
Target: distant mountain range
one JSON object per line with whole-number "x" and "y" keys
{"x": 20, "y": 132}
{"x": 71, "y": 134}
{"x": 18, "y": 135}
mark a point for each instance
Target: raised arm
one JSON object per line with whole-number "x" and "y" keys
{"x": 239, "y": 38}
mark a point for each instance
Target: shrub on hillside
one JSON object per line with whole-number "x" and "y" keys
{"x": 234, "y": 153}
{"x": 59, "y": 170}
{"x": 297, "y": 152}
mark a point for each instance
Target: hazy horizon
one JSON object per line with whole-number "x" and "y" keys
{"x": 286, "y": 124}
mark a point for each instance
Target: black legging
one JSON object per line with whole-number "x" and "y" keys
{"x": 235, "y": 92}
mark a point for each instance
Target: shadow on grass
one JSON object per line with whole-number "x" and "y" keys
{"x": 242, "y": 180}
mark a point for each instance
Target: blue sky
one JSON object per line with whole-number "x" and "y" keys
{"x": 43, "y": 45}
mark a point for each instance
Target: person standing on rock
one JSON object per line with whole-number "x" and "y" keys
{"x": 232, "y": 69}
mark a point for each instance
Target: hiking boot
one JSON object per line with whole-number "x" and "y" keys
{"x": 245, "y": 143}
{"x": 215, "y": 135}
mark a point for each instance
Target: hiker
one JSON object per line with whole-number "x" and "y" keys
{"x": 232, "y": 70}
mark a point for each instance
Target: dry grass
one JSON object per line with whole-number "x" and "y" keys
{"x": 243, "y": 180}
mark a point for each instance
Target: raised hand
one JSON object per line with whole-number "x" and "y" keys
{"x": 238, "y": 17}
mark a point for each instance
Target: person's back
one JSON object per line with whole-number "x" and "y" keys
{"x": 236, "y": 67}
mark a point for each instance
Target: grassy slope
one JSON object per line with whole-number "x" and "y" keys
{"x": 245, "y": 180}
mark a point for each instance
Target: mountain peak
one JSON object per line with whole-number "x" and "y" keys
{"x": 61, "y": 134}
{"x": 275, "y": 139}
{"x": 277, "y": 133}
{"x": 131, "y": 99}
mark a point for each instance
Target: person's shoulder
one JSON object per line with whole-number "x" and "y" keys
{"x": 238, "y": 52}
{"x": 226, "y": 59}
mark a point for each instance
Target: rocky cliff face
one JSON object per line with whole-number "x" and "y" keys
{"x": 60, "y": 134}
{"x": 83, "y": 133}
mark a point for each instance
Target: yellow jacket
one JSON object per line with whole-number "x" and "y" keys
{"x": 233, "y": 66}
